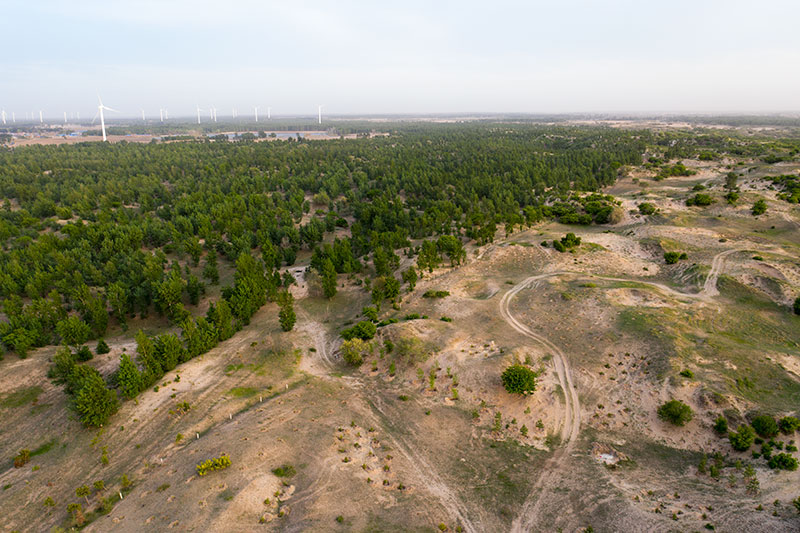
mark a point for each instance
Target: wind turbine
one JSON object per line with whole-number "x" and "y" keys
{"x": 65, "y": 117}
{"x": 269, "y": 112}
{"x": 161, "y": 114}
{"x": 256, "y": 108}
{"x": 4, "y": 116}
{"x": 41, "y": 121}
{"x": 215, "y": 114}
{"x": 100, "y": 109}
{"x": 198, "y": 113}
{"x": 166, "y": 114}
{"x": 14, "y": 117}
{"x": 143, "y": 119}
{"x": 319, "y": 114}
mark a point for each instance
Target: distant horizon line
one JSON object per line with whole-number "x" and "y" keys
{"x": 249, "y": 117}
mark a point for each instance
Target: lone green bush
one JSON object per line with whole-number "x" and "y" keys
{"x": 364, "y": 330}
{"x": 675, "y": 412}
{"x": 721, "y": 425}
{"x": 436, "y": 294}
{"x": 765, "y": 426}
{"x": 284, "y": 471}
{"x": 782, "y": 461}
{"x": 354, "y": 350}
{"x": 519, "y": 379}
{"x": 759, "y": 208}
{"x": 788, "y": 424}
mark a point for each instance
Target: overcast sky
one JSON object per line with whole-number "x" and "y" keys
{"x": 405, "y": 56}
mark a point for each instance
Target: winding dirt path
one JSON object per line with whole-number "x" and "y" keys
{"x": 572, "y": 410}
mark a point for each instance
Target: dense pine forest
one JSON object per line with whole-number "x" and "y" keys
{"x": 94, "y": 234}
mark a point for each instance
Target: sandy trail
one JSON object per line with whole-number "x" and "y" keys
{"x": 423, "y": 470}
{"x": 572, "y": 410}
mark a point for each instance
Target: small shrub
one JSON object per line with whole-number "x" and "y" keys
{"x": 687, "y": 373}
{"x": 646, "y": 208}
{"x": 354, "y": 350}
{"x": 22, "y": 458}
{"x": 102, "y": 347}
{"x": 518, "y": 379}
{"x": 721, "y": 425}
{"x": 788, "y": 425}
{"x": 209, "y": 465}
{"x": 84, "y": 354}
{"x": 675, "y": 412}
{"x": 284, "y": 471}
{"x": 759, "y": 208}
{"x": 700, "y": 199}
{"x": 765, "y": 426}
{"x": 782, "y": 461}
{"x": 742, "y": 438}
{"x": 364, "y": 330}
{"x": 436, "y": 294}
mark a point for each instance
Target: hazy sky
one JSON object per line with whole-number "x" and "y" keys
{"x": 405, "y": 56}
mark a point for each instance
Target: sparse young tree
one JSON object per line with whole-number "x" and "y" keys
{"x": 95, "y": 402}
{"x": 129, "y": 378}
{"x": 73, "y": 331}
{"x": 410, "y": 277}
{"x": 742, "y": 438}
{"x": 286, "y": 314}
{"x": 328, "y": 279}
{"x": 759, "y": 208}
{"x": 83, "y": 492}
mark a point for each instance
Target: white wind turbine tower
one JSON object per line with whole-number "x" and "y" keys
{"x": 4, "y": 116}
{"x": 269, "y": 112}
{"x": 215, "y": 113}
{"x": 256, "y": 108}
{"x": 161, "y": 114}
{"x": 143, "y": 119}
{"x": 41, "y": 121}
{"x": 100, "y": 109}
{"x": 166, "y": 114}
{"x": 319, "y": 114}
{"x": 14, "y": 117}
{"x": 65, "y": 117}
{"x": 198, "y": 113}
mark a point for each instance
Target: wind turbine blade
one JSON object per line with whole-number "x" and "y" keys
{"x": 109, "y": 109}
{"x": 95, "y": 116}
